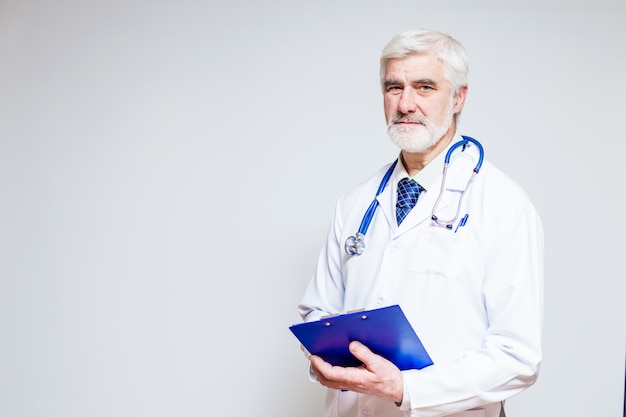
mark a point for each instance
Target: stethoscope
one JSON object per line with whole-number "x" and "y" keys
{"x": 355, "y": 245}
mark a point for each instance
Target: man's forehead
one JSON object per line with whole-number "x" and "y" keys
{"x": 415, "y": 65}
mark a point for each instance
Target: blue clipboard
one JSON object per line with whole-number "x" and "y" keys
{"x": 385, "y": 331}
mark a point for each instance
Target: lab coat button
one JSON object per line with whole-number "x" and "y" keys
{"x": 379, "y": 301}
{"x": 366, "y": 411}
{"x": 393, "y": 250}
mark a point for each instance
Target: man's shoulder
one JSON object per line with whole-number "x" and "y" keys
{"x": 495, "y": 177}
{"x": 502, "y": 191}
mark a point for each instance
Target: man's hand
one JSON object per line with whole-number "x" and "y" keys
{"x": 377, "y": 376}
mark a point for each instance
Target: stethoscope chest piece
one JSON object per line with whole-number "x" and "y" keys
{"x": 355, "y": 245}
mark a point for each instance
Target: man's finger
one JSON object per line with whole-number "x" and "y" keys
{"x": 361, "y": 352}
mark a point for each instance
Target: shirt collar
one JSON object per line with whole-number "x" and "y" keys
{"x": 430, "y": 173}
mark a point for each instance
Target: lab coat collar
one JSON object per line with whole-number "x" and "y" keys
{"x": 430, "y": 178}
{"x": 429, "y": 174}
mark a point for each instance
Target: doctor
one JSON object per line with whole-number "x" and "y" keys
{"x": 472, "y": 292}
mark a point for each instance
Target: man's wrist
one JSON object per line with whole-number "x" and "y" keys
{"x": 405, "y": 404}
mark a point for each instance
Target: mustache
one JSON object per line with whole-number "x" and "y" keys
{"x": 410, "y": 118}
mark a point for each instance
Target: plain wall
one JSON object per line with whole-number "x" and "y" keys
{"x": 168, "y": 170}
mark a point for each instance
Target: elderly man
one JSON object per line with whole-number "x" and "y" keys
{"x": 461, "y": 254}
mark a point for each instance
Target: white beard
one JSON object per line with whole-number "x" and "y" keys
{"x": 418, "y": 137}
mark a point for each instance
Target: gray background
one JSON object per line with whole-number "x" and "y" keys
{"x": 134, "y": 281}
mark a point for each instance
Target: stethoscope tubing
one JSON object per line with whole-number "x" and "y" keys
{"x": 464, "y": 142}
{"x": 355, "y": 245}
{"x": 371, "y": 210}
{"x": 481, "y": 154}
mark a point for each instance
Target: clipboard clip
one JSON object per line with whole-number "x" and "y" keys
{"x": 341, "y": 314}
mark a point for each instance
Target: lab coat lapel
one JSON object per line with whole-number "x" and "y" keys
{"x": 459, "y": 173}
{"x": 422, "y": 210}
{"x": 387, "y": 201}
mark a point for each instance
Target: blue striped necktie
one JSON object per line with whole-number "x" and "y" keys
{"x": 408, "y": 193}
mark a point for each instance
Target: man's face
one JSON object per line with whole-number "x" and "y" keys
{"x": 419, "y": 102}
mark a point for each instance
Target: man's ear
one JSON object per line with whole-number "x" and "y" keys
{"x": 459, "y": 99}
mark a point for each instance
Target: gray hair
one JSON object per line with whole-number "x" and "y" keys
{"x": 421, "y": 41}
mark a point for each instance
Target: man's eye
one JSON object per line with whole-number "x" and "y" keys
{"x": 393, "y": 89}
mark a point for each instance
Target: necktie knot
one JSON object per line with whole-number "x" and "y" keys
{"x": 408, "y": 193}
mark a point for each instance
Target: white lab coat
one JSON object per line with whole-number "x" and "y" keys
{"x": 474, "y": 296}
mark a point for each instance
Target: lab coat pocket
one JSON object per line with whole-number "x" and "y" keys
{"x": 440, "y": 252}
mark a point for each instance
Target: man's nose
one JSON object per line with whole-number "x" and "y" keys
{"x": 408, "y": 102}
